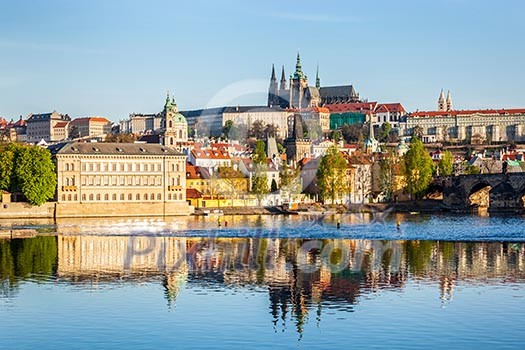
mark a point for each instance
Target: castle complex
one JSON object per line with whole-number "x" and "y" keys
{"x": 298, "y": 94}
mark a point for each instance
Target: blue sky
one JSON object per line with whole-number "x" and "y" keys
{"x": 112, "y": 58}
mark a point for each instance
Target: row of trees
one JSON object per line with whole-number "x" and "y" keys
{"x": 28, "y": 170}
{"x": 416, "y": 165}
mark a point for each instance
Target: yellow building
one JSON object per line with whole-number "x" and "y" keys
{"x": 119, "y": 179}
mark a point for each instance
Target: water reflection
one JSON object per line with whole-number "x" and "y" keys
{"x": 303, "y": 277}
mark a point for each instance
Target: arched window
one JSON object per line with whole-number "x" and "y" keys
{"x": 67, "y": 166}
{"x": 178, "y": 180}
{"x": 91, "y": 197}
{"x": 63, "y": 198}
{"x": 130, "y": 197}
{"x": 171, "y": 141}
{"x": 180, "y": 196}
{"x": 76, "y": 197}
{"x": 145, "y": 196}
{"x": 159, "y": 196}
{"x": 69, "y": 197}
{"x": 98, "y": 196}
{"x": 169, "y": 196}
{"x": 72, "y": 166}
{"x": 137, "y": 197}
{"x": 180, "y": 134}
{"x": 106, "y": 197}
{"x": 178, "y": 167}
{"x": 114, "y": 196}
{"x": 83, "y": 197}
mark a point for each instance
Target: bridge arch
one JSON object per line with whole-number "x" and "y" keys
{"x": 478, "y": 195}
{"x": 503, "y": 196}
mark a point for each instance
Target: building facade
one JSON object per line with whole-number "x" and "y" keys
{"x": 122, "y": 174}
{"x": 89, "y": 127}
{"x": 50, "y": 127}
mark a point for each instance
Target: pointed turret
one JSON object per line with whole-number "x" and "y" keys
{"x": 371, "y": 144}
{"x": 273, "y": 93}
{"x": 317, "y": 79}
{"x": 449, "y": 101}
{"x": 283, "y": 80}
{"x": 441, "y": 102}
{"x": 167, "y": 98}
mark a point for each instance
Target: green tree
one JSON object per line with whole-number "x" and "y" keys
{"x": 260, "y": 179}
{"x": 336, "y": 136}
{"x": 226, "y": 128}
{"x": 7, "y": 163}
{"x": 385, "y": 131}
{"x": 331, "y": 175}
{"x": 418, "y": 168}
{"x": 472, "y": 169}
{"x": 387, "y": 176}
{"x": 35, "y": 174}
{"x": 445, "y": 164}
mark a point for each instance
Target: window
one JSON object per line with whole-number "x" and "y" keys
{"x": 145, "y": 196}
{"x": 159, "y": 196}
{"x": 169, "y": 196}
{"x": 130, "y": 197}
{"x": 83, "y": 197}
{"x": 114, "y": 197}
{"x": 106, "y": 197}
{"x": 138, "y": 197}
{"x": 76, "y": 197}
{"x": 98, "y": 196}
{"x": 69, "y": 197}
{"x": 91, "y": 197}
{"x": 63, "y": 198}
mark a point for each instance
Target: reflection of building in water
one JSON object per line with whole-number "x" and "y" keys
{"x": 302, "y": 275}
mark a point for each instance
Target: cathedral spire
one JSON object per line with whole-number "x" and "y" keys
{"x": 167, "y": 97}
{"x": 298, "y": 68}
{"x": 273, "y": 78}
{"x": 441, "y": 101}
{"x": 317, "y": 79}
{"x": 449, "y": 101}
{"x": 283, "y": 80}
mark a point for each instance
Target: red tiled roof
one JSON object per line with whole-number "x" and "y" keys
{"x": 61, "y": 124}
{"x": 193, "y": 193}
{"x": 468, "y": 112}
{"x": 91, "y": 119}
{"x": 363, "y": 107}
{"x": 210, "y": 154}
{"x": 192, "y": 172}
{"x": 391, "y": 107}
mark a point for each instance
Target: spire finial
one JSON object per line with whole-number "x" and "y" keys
{"x": 317, "y": 79}
{"x": 273, "y": 73}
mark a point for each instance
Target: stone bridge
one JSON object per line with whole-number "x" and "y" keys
{"x": 505, "y": 195}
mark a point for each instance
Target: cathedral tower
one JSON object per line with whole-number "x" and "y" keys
{"x": 441, "y": 102}
{"x": 297, "y": 146}
{"x": 449, "y": 101}
{"x": 273, "y": 92}
{"x": 175, "y": 126}
{"x": 298, "y": 82}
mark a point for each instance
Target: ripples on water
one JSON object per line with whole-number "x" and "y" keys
{"x": 266, "y": 282}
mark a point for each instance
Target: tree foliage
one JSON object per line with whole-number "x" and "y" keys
{"x": 331, "y": 175}
{"x": 260, "y": 179}
{"x": 445, "y": 165}
{"x": 353, "y": 133}
{"x": 418, "y": 168}
{"x": 120, "y": 138}
{"x": 35, "y": 174}
{"x": 387, "y": 178}
{"x": 29, "y": 170}
{"x": 7, "y": 163}
{"x": 385, "y": 132}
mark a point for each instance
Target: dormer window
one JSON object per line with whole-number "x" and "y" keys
{"x": 142, "y": 150}
{"x": 119, "y": 150}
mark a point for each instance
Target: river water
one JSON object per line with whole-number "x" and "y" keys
{"x": 265, "y": 282}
